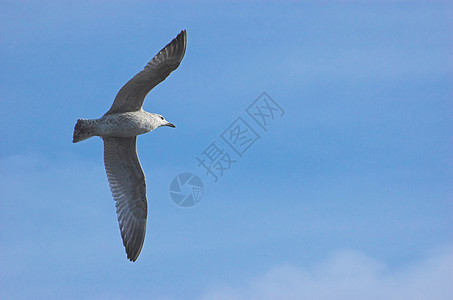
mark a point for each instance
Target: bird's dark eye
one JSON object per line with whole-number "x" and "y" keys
{"x": 161, "y": 117}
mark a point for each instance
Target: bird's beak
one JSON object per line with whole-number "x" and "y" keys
{"x": 170, "y": 125}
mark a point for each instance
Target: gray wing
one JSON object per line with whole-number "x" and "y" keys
{"x": 127, "y": 183}
{"x": 133, "y": 93}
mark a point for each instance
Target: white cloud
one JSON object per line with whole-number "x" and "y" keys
{"x": 349, "y": 275}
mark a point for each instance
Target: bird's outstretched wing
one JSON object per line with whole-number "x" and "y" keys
{"x": 127, "y": 183}
{"x": 133, "y": 93}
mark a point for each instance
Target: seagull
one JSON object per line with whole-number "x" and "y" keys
{"x": 119, "y": 128}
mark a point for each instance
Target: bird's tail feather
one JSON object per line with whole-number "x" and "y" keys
{"x": 83, "y": 129}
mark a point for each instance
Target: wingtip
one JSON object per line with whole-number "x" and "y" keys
{"x": 183, "y": 35}
{"x": 132, "y": 255}
{"x": 133, "y": 244}
{"x": 181, "y": 39}
{"x": 132, "y": 259}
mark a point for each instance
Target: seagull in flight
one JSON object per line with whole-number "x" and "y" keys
{"x": 119, "y": 128}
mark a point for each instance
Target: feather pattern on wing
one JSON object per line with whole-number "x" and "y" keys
{"x": 133, "y": 93}
{"x": 127, "y": 183}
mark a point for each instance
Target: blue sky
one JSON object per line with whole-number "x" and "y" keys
{"x": 348, "y": 195}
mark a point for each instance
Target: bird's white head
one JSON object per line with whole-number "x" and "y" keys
{"x": 162, "y": 122}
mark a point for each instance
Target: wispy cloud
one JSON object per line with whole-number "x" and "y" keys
{"x": 349, "y": 275}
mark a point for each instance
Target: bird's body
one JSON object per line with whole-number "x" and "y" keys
{"x": 119, "y": 128}
{"x": 127, "y": 124}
